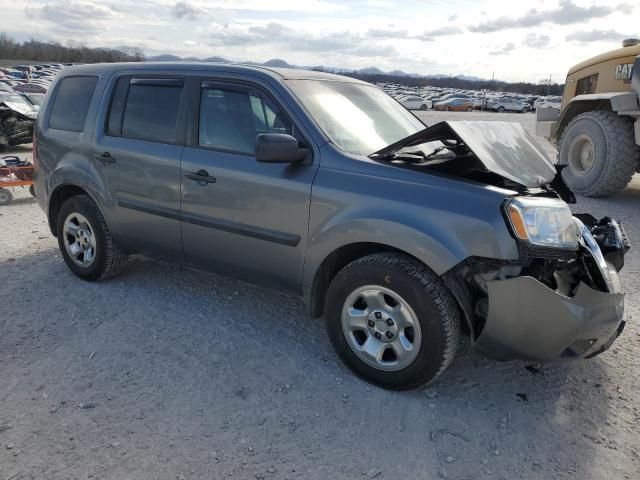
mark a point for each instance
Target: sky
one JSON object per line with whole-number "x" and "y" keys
{"x": 510, "y": 40}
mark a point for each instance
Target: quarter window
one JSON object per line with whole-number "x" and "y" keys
{"x": 71, "y": 103}
{"x": 145, "y": 109}
{"x": 231, "y": 119}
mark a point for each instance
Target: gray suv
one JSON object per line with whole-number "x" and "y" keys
{"x": 407, "y": 239}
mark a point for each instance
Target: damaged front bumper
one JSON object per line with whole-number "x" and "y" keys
{"x": 529, "y": 320}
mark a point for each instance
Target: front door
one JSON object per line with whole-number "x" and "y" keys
{"x": 241, "y": 217}
{"x": 137, "y": 157}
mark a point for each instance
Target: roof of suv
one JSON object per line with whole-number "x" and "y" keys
{"x": 277, "y": 73}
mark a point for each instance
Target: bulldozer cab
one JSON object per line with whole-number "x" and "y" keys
{"x": 608, "y": 72}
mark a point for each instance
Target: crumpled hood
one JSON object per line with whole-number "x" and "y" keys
{"x": 505, "y": 148}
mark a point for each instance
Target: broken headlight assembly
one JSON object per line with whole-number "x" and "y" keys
{"x": 544, "y": 227}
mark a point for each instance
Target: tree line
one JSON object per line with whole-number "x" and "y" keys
{"x": 71, "y": 52}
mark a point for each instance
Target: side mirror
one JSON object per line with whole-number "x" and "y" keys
{"x": 278, "y": 148}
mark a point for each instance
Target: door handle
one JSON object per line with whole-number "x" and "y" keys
{"x": 105, "y": 158}
{"x": 201, "y": 176}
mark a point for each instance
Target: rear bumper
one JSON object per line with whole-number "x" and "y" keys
{"x": 528, "y": 320}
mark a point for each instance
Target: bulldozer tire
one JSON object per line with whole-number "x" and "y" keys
{"x": 600, "y": 152}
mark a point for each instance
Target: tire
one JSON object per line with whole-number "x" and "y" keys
{"x": 6, "y": 197}
{"x": 32, "y": 191}
{"x": 614, "y": 155}
{"x": 525, "y": 110}
{"x": 501, "y": 109}
{"x": 431, "y": 308}
{"x": 470, "y": 109}
{"x": 108, "y": 258}
{"x": 447, "y": 109}
{"x": 423, "y": 107}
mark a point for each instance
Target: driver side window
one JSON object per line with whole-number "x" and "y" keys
{"x": 231, "y": 118}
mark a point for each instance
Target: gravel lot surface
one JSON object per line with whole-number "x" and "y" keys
{"x": 171, "y": 373}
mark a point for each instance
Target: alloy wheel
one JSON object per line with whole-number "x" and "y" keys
{"x": 381, "y": 328}
{"x": 79, "y": 240}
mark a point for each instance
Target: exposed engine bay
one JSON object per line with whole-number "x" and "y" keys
{"x": 502, "y": 154}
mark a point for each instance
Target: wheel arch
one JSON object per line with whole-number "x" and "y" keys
{"x": 61, "y": 194}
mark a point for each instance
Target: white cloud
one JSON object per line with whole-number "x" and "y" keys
{"x": 471, "y": 37}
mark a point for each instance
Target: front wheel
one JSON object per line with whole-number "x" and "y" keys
{"x": 469, "y": 109}
{"x": 600, "y": 152}
{"x": 86, "y": 244}
{"x": 423, "y": 107}
{"x": 392, "y": 321}
{"x": 501, "y": 109}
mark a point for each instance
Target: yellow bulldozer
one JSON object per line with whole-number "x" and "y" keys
{"x": 597, "y": 128}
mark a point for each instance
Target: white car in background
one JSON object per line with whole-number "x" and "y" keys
{"x": 413, "y": 102}
{"x": 548, "y": 102}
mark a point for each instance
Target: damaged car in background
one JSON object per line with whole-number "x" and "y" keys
{"x": 17, "y": 118}
{"x": 404, "y": 237}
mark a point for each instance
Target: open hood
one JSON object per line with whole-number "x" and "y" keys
{"x": 503, "y": 148}
{"x": 507, "y": 149}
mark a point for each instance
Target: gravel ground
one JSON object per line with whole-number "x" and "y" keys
{"x": 171, "y": 373}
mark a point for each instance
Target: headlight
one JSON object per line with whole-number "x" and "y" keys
{"x": 545, "y": 222}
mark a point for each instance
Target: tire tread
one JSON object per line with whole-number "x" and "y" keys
{"x": 438, "y": 293}
{"x": 621, "y": 146}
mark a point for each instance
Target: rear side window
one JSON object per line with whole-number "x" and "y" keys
{"x": 145, "y": 109}
{"x": 71, "y": 103}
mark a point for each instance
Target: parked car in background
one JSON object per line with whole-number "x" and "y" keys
{"x": 30, "y": 87}
{"x": 509, "y": 104}
{"x": 548, "y": 102}
{"x": 415, "y": 103}
{"x": 455, "y": 105}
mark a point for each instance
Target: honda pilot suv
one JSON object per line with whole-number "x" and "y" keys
{"x": 405, "y": 238}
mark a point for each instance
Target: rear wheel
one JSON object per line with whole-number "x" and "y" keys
{"x": 447, "y": 108}
{"x": 392, "y": 321}
{"x": 600, "y": 152}
{"x": 501, "y": 109}
{"x": 469, "y": 109}
{"x": 5, "y": 196}
{"x": 85, "y": 241}
{"x": 423, "y": 107}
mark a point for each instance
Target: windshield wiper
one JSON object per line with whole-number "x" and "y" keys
{"x": 411, "y": 140}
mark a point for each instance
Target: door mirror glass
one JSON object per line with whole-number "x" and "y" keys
{"x": 278, "y": 148}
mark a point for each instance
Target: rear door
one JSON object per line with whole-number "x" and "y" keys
{"x": 244, "y": 218}
{"x": 136, "y": 156}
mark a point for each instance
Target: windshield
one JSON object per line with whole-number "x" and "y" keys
{"x": 360, "y": 119}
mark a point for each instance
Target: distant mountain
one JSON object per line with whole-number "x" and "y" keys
{"x": 164, "y": 58}
{"x": 471, "y": 79}
{"x": 371, "y": 71}
{"x": 280, "y": 63}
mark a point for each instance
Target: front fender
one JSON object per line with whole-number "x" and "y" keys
{"x": 440, "y": 223}
{"x": 438, "y": 255}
